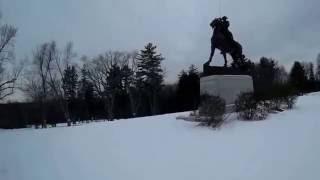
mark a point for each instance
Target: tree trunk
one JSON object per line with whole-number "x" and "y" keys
{"x": 135, "y": 101}
{"x": 43, "y": 114}
{"x": 154, "y": 103}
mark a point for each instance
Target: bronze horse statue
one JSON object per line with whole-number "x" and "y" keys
{"x": 222, "y": 39}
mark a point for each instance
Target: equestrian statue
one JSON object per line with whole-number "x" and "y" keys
{"x": 222, "y": 39}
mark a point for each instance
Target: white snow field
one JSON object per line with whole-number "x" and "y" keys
{"x": 286, "y": 146}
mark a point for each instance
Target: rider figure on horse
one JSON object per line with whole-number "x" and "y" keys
{"x": 227, "y": 32}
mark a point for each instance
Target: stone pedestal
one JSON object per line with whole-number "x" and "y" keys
{"x": 227, "y": 87}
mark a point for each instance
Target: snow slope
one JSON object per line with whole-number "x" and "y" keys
{"x": 286, "y": 146}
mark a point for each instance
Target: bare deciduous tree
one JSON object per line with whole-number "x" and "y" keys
{"x": 8, "y": 72}
{"x": 134, "y": 87}
{"x": 108, "y": 74}
{"x": 37, "y": 82}
{"x": 45, "y": 77}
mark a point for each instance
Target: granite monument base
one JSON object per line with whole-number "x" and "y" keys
{"x": 227, "y": 87}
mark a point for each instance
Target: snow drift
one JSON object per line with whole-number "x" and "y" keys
{"x": 285, "y": 146}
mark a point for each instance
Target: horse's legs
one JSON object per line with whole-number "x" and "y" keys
{"x": 211, "y": 54}
{"x": 225, "y": 58}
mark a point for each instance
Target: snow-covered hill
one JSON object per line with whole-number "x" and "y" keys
{"x": 286, "y": 146}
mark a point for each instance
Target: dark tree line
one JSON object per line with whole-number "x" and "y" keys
{"x": 116, "y": 84}
{"x": 110, "y": 86}
{"x": 271, "y": 80}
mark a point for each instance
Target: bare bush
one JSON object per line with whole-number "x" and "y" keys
{"x": 290, "y": 101}
{"x": 248, "y": 108}
{"x": 262, "y": 111}
{"x": 212, "y": 110}
{"x": 275, "y": 104}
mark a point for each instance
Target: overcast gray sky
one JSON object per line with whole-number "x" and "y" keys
{"x": 286, "y": 30}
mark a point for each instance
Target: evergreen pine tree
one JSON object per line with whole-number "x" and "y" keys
{"x": 70, "y": 83}
{"x": 311, "y": 78}
{"x": 150, "y": 75}
{"x": 188, "y": 91}
{"x": 311, "y": 72}
{"x": 265, "y": 77}
{"x": 69, "y": 86}
{"x": 182, "y": 91}
{"x": 86, "y": 93}
{"x": 194, "y": 86}
{"x": 298, "y": 77}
